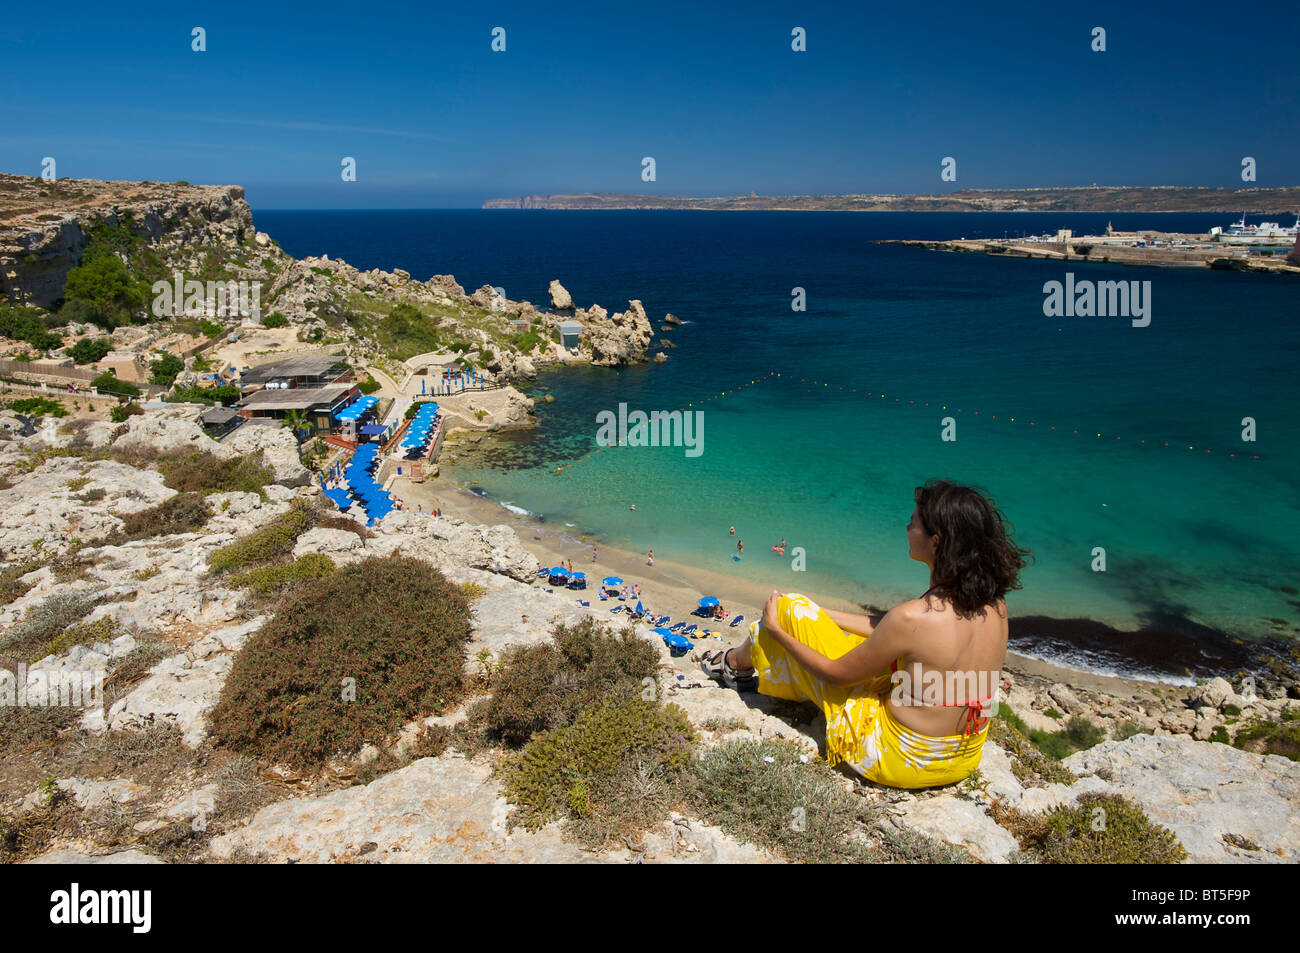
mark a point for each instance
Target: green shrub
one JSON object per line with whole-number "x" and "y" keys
{"x": 275, "y": 319}
{"x": 763, "y": 793}
{"x": 1082, "y": 733}
{"x": 1098, "y": 829}
{"x": 273, "y": 541}
{"x": 1220, "y": 734}
{"x": 119, "y": 413}
{"x": 1028, "y": 762}
{"x": 108, "y": 381}
{"x": 26, "y": 324}
{"x": 210, "y": 328}
{"x": 369, "y": 385}
{"x": 11, "y": 586}
{"x": 183, "y": 513}
{"x": 38, "y": 407}
{"x": 603, "y": 771}
{"x": 273, "y": 579}
{"x": 164, "y": 369}
{"x": 393, "y": 624}
{"x": 405, "y": 332}
{"x": 102, "y": 291}
{"x": 227, "y": 395}
{"x": 204, "y": 472}
{"x": 1127, "y": 729}
{"x": 103, "y": 629}
{"x": 544, "y": 686}
{"x": 45, "y": 622}
{"x": 89, "y": 350}
{"x": 1264, "y": 737}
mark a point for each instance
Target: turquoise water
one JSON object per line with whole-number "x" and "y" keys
{"x": 1199, "y": 546}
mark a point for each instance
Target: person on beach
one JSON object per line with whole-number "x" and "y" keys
{"x": 593, "y": 554}
{"x": 650, "y": 558}
{"x": 908, "y": 698}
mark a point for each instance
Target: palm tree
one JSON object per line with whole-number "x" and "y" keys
{"x": 296, "y": 421}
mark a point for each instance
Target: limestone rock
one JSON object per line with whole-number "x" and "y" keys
{"x": 1204, "y": 791}
{"x": 338, "y": 544}
{"x": 561, "y": 300}
{"x": 961, "y": 823}
{"x": 1065, "y": 697}
{"x": 436, "y": 810}
{"x": 279, "y": 449}
{"x": 180, "y": 689}
{"x": 1213, "y": 693}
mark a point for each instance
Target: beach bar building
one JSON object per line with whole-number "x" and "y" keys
{"x": 570, "y": 332}
{"x": 320, "y": 405}
{"x": 296, "y": 372}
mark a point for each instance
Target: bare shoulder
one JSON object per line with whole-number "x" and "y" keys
{"x": 915, "y": 615}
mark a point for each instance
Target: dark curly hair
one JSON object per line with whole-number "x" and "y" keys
{"x": 975, "y": 560}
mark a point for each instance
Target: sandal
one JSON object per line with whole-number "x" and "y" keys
{"x": 714, "y": 664}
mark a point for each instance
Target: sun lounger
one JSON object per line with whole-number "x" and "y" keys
{"x": 737, "y": 620}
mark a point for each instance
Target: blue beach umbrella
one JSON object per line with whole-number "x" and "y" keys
{"x": 707, "y": 602}
{"x": 611, "y": 581}
{"x": 559, "y": 571}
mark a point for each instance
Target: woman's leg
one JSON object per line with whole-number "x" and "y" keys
{"x": 740, "y": 658}
{"x": 779, "y": 675}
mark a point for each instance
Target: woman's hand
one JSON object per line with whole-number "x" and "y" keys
{"x": 771, "y": 617}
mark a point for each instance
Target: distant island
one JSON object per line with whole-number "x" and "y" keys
{"x": 1086, "y": 199}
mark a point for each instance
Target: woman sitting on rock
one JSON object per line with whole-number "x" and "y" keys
{"x": 908, "y": 699}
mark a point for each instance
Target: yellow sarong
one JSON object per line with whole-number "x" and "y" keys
{"x": 860, "y": 731}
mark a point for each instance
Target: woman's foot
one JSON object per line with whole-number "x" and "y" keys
{"x": 715, "y": 665}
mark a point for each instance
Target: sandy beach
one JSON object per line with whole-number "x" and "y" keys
{"x": 675, "y": 589}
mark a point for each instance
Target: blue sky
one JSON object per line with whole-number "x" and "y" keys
{"x": 435, "y": 118}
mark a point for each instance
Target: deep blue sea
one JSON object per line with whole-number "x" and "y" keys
{"x": 819, "y": 424}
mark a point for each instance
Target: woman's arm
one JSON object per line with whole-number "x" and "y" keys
{"x": 867, "y": 660}
{"x": 851, "y": 621}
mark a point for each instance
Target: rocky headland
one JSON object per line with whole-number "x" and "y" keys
{"x": 49, "y": 230}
